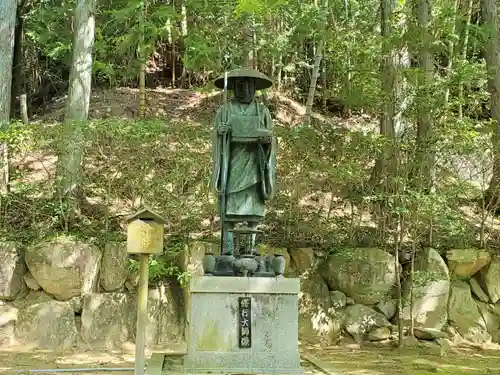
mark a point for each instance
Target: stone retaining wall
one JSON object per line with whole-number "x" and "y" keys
{"x": 63, "y": 293}
{"x": 455, "y": 296}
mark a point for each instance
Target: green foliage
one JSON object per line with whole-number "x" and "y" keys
{"x": 48, "y": 29}
{"x": 423, "y": 278}
{"x": 207, "y": 38}
{"x": 159, "y": 269}
{"x": 326, "y": 196}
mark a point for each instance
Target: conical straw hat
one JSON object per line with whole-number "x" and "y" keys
{"x": 261, "y": 80}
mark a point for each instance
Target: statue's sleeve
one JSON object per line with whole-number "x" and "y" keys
{"x": 216, "y": 153}
{"x": 269, "y": 183}
{"x": 268, "y": 121}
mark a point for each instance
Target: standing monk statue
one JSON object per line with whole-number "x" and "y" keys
{"x": 244, "y": 154}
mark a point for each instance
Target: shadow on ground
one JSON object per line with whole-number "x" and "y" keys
{"x": 424, "y": 359}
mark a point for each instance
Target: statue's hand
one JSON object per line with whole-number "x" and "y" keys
{"x": 223, "y": 128}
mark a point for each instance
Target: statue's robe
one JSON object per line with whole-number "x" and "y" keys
{"x": 252, "y": 167}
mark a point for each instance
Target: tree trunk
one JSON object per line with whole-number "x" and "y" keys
{"x": 385, "y": 166}
{"x": 69, "y": 167}
{"x": 347, "y": 84}
{"x": 17, "y": 67}
{"x": 255, "y": 50}
{"x": 490, "y": 17}
{"x": 398, "y": 235}
{"x": 142, "y": 63}
{"x": 8, "y": 10}
{"x": 412, "y": 278}
{"x": 23, "y": 108}
{"x": 184, "y": 33}
{"x": 324, "y": 84}
{"x": 317, "y": 63}
{"x": 425, "y": 155}
{"x": 246, "y": 38}
{"x": 173, "y": 54}
{"x": 463, "y": 55}
{"x": 451, "y": 50}
{"x": 279, "y": 71}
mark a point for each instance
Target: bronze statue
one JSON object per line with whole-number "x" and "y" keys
{"x": 244, "y": 155}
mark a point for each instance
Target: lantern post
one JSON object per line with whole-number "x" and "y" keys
{"x": 145, "y": 230}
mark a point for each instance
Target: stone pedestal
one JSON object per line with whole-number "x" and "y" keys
{"x": 217, "y": 317}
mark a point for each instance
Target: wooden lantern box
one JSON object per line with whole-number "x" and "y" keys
{"x": 145, "y": 233}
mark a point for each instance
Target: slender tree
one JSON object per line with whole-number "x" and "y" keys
{"x": 17, "y": 64}
{"x": 246, "y": 38}
{"x": 451, "y": 49}
{"x": 69, "y": 169}
{"x": 424, "y": 160}
{"x": 463, "y": 54}
{"x": 141, "y": 47}
{"x": 394, "y": 100}
{"x": 317, "y": 63}
{"x": 7, "y": 28}
{"x": 490, "y": 18}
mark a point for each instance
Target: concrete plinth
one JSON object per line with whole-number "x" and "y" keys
{"x": 213, "y": 332}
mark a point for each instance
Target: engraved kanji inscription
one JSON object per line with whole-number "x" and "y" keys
{"x": 244, "y": 322}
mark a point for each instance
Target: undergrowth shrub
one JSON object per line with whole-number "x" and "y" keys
{"x": 324, "y": 198}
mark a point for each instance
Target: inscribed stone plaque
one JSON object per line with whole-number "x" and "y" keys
{"x": 245, "y": 322}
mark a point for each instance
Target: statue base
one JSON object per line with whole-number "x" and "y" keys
{"x": 243, "y": 325}
{"x": 247, "y": 265}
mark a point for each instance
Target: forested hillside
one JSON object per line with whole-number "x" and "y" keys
{"x": 423, "y": 71}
